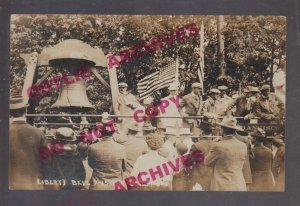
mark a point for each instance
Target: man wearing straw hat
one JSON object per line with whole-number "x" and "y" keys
{"x": 25, "y": 165}
{"x": 227, "y": 157}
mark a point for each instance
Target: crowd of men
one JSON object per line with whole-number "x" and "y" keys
{"x": 234, "y": 160}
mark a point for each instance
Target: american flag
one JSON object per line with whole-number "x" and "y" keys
{"x": 158, "y": 80}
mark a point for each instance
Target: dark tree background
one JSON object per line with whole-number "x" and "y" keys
{"x": 255, "y": 48}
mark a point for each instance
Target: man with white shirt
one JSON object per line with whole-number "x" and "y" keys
{"x": 150, "y": 162}
{"x": 171, "y": 109}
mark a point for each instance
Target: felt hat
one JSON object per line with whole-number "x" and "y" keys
{"x": 230, "y": 122}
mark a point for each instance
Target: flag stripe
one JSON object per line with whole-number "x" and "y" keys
{"x": 159, "y": 83}
{"x": 159, "y": 79}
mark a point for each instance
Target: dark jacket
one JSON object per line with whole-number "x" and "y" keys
{"x": 246, "y": 168}
{"x": 202, "y": 173}
{"x": 241, "y": 107}
{"x": 67, "y": 166}
{"x": 25, "y": 165}
{"x": 192, "y": 106}
{"x": 278, "y": 168}
{"x": 261, "y": 166}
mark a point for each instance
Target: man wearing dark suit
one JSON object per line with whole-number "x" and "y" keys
{"x": 244, "y": 103}
{"x": 25, "y": 164}
{"x": 261, "y": 164}
{"x": 107, "y": 159}
{"x": 192, "y": 103}
{"x": 227, "y": 157}
{"x": 202, "y": 174}
{"x": 246, "y": 169}
{"x": 278, "y": 167}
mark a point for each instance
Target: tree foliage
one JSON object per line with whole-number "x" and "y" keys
{"x": 254, "y": 47}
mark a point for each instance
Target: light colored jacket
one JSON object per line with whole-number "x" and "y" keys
{"x": 227, "y": 157}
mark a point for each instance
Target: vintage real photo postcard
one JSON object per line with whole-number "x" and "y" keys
{"x": 147, "y": 102}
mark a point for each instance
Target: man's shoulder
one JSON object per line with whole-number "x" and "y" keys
{"x": 188, "y": 96}
{"x": 26, "y": 128}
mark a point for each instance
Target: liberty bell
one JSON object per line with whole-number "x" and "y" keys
{"x": 72, "y": 94}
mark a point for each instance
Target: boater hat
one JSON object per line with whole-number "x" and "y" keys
{"x": 17, "y": 102}
{"x": 230, "y": 122}
{"x": 65, "y": 134}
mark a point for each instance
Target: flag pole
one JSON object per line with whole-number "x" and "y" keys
{"x": 201, "y": 57}
{"x": 177, "y": 71}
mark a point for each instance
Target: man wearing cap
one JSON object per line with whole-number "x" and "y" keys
{"x": 25, "y": 164}
{"x": 261, "y": 163}
{"x": 263, "y": 107}
{"x": 171, "y": 110}
{"x": 202, "y": 173}
{"x": 107, "y": 159}
{"x": 210, "y": 106}
{"x": 191, "y": 105}
{"x": 224, "y": 101}
{"x": 244, "y": 104}
{"x": 227, "y": 157}
{"x": 124, "y": 104}
{"x": 134, "y": 146}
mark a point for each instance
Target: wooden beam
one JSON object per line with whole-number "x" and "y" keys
{"x": 100, "y": 78}
{"x": 44, "y": 77}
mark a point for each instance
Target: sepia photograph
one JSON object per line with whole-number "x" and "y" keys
{"x": 147, "y": 102}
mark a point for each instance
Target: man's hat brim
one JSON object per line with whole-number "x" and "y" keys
{"x": 231, "y": 127}
{"x": 18, "y": 106}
